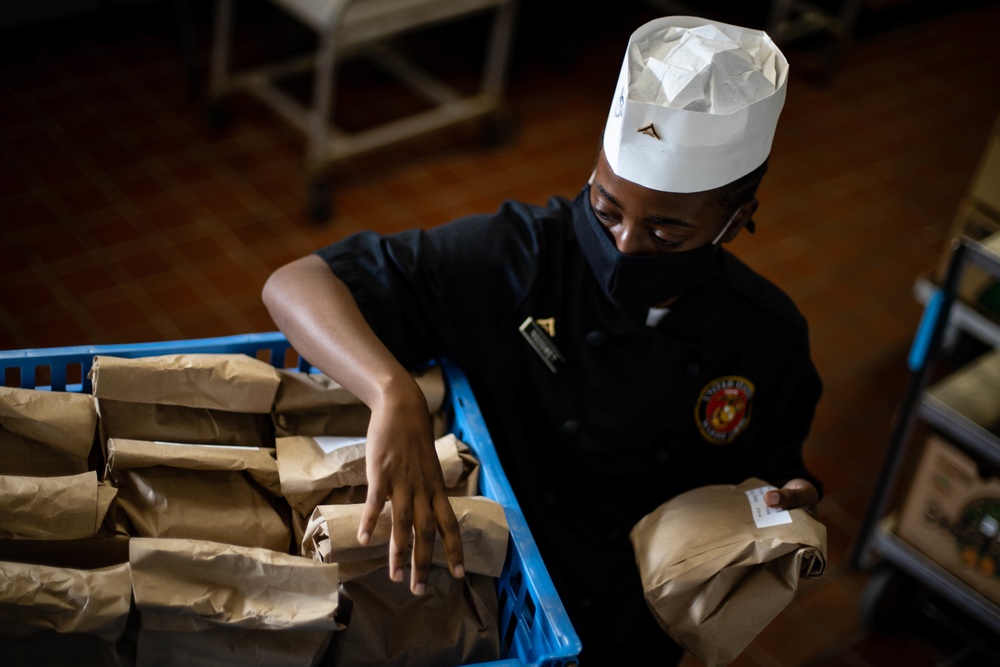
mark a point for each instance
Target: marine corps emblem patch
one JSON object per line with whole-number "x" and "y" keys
{"x": 723, "y": 408}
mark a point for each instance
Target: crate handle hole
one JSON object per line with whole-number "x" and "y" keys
{"x": 43, "y": 376}
{"x": 508, "y": 637}
{"x": 515, "y": 583}
{"x": 529, "y": 611}
{"x": 74, "y": 374}
{"x": 12, "y": 376}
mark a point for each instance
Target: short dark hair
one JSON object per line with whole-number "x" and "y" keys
{"x": 733, "y": 195}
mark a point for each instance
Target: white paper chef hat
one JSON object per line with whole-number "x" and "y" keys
{"x": 696, "y": 106}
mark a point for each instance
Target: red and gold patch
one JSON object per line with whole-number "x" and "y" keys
{"x": 723, "y": 408}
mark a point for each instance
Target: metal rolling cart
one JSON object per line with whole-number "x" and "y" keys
{"x": 348, "y": 28}
{"x": 878, "y": 546}
{"x": 789, "y": 20}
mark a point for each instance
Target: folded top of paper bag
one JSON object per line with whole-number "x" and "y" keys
{"x": 197, "y": 584}
{"x": 230, "y": 382}
{"x": 62, "y": 420}
{"x": 39, "y": 597}
{"x": 331, "y": 536}
{"x": 53, "y": 508}
{"x": 311, "y": 467}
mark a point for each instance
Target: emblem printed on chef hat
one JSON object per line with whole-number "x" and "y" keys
{"x": 696, "y": 106}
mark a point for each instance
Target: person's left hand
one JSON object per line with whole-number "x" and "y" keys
{"x": 796, "y": 493}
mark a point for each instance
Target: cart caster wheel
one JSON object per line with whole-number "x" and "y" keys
{"x": 498, "y": 128}
{"x": 319, "y": 199}
{"x": 217, "y": 114}
{"x": 884, "y": 601}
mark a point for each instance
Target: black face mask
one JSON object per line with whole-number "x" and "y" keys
{"x": 637, "y": 282}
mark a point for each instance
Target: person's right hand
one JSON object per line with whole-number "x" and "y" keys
{"x": 318, "y": 314}
{"x": 402, "y": 467}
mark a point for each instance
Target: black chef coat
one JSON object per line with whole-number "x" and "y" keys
{"x": 625, "y": 423}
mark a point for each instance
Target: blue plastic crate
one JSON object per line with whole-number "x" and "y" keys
{"x": 534, "y": 628}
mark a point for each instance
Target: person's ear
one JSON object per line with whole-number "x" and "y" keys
{"x": 744, "y": 217}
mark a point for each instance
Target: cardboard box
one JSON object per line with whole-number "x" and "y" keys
{"x": 978, "y": 217}
{"x": 972, "y": 391}
{"x": 979, "y": 225}
{"x": 952, "y": 514}
{"x": 985, "y": 187}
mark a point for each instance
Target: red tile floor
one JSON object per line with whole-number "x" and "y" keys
{"x": 124, "y": 217}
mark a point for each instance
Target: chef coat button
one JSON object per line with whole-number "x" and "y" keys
{"x": 692, "y": 367}
{"x": 595, "y": 338}
{"x": 661, "y": 457}
{"x": 548, "y": 497}
{"x": 570, "y": 427}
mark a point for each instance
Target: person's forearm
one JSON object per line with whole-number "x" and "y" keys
{"x": 317, "y": 313}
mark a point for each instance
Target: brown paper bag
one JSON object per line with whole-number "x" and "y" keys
{"x": 206, "y": 603}
{"x": 332, "y": 537}
{"x": 221, "y": 399}
{"x": 453, "y": 623}
{"x": 53, "y": 522}
{"x": 467, "y": 483}
{"x": 311, "y": 404}
{"x": 34, "y": 598}
{"x": 311, "y": 468}
{"x": 230, "y": 382}
{"x": 715, "y": 573}
{"x": 198, "y": 584}
{"x": 53, "y": 508}
{"x": 223, "y": 494}
{"x": 46, "y": 433}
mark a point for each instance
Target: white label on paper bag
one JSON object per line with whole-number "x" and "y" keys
{"x": 331, "y": 443}
{"x": 763, "y": 515}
